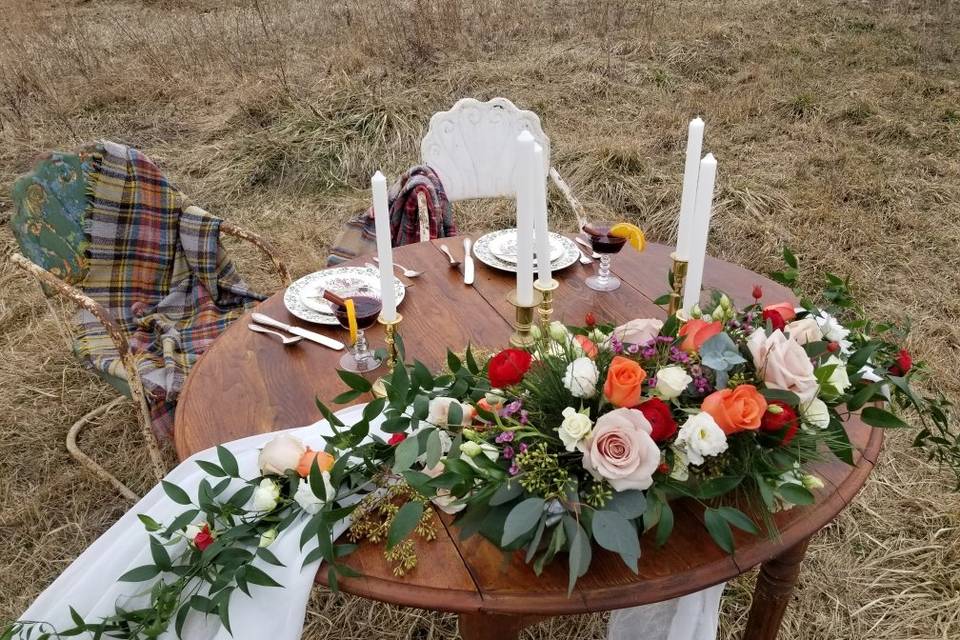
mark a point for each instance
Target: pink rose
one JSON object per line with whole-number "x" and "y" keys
{"x": 621, "y": 450}
{"x": 639, "y": 331}
{"x": 783, "y": 364}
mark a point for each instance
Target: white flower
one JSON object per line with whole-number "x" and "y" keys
{"x": 701, "y": 436}
{"x": 811, "y": 482}
{"x": 681, "y": 465}
{"x": 833, "y": 331}
{"x": 804, "y": 330}
{"x": 672, "y": 381}
{"x": 440, "y": 410}
{"x": 869, "y": 374}
{"x": 815, "y": 412}
{"x": 598, "y": 337}
{"x": 447, "y": 503}
{"x": 839, "y": 379}
{"x": 307, "y": 499}
{"x": 280, "y": 454}
{"x": 485, "y": 448}
{"x": 470, "y": 449}
{"x": 580, "y": 378}
{"x": 267, "y": 538}
{"x": 266, "y": 495}
{"x": 558, "y": 331}
{"x": 575, "y": 427}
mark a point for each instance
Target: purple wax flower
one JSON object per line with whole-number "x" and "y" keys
{"x": 648, "y": 352}
{"x": 510, "y": 409}
{"x": 508, "y": 453}
{"x": 664, "y": 339}
{"x": 506, "y": 436}
{"x": 652, "y": 382}
{"x": 616, "y": 345}
{"x": 524, "y": 416}
{"x": 514, "y": 469}
{"x": 523, "y": 447}
{"x": 634, "y": 348}
{"x": 696, "y": 370}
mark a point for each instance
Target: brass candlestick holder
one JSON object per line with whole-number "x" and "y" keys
{"x": 679, "y": 270}
{"x": 390, "y": 338}
{"x": 546, "y": 305}
{"x": 521, "y": 337}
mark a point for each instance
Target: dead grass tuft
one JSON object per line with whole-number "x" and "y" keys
{"x": 835, "y": 123}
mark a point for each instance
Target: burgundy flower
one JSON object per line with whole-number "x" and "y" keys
{"x": 903, "y": 363}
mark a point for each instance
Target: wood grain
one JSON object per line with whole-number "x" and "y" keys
{"x": 248, "y": 383}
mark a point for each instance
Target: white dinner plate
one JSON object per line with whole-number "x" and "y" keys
{"x": 302, "y": 300}
{"x": 504, "y": 246}
{"x": 482, "y": 250}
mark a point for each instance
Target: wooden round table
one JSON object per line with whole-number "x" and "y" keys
{"x": 249, "y": 383}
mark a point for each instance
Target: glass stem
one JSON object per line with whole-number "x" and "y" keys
{"x": 360, "y": 353}
{"x": 604, "y": 274}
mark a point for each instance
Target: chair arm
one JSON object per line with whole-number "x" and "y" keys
{"x": 78, "y": 298}
{"x": 261, "y": 244}
{"x": 568, "y": 193}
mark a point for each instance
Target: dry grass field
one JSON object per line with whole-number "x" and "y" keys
{"x": 836, "y": 124}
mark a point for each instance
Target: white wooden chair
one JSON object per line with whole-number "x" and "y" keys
{"x": 472, "y": 147}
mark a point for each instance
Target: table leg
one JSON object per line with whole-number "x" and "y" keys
{"x": 772, "y": 593}
{"x": 483, "y": 626}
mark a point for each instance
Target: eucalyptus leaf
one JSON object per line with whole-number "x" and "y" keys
{"x": 355, "y": 381}
{"x": 614, "y": 533}
{"x": 881, "y": 418}
{"x": 405, "y": 454}
{"x": 521, "y": 519}
{"x": 720, "y": 353}
{"x": 434, "y": 449}
{"x": 630, "y": 504}
{"x": 228, "y": 462}
{"x": 719, "y": 529}
{"x": 404, "y": 522}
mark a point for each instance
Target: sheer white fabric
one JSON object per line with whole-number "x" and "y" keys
{"x": 90, "y": 584}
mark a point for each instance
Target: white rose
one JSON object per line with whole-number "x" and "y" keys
{"x": 470, "y": 449}
{"x": 280, "y": 454}
{"x": 574, "y": 428}
{"x": 558, "y": 331}
{"x": 267, "y": 538}
{"x": 701, "y": 436}
{"x": 815, "y": 412}
{"x": 307, "y": 499}
{"x": 440, "y": 410}
{"x": 266, "y": 495}
{"x": 783, "y": 364}
{"x": 804, "y": 330}
{"x": 580, "y": 378}
{"x": 839, "y": 379}
{"x": 672, "y": 381}
{"x": 639, "y": 331}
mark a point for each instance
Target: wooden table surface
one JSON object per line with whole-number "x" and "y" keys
{"x": 248, "y": 383}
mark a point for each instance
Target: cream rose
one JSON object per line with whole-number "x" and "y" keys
{"x": 266, "y": 495}
{"x": 816, "y": 413}
{"x": 671, "y": 382}
{"x": 783, "y": 363}
{"x": 804, "y": 330}
{"x": 621, "y": 450}
{"x": 580, "y": 378}
{"x": 574, "y": 428}
{"x": 439, "y": 411}
{"x": 444, "y": 501}
{"x": 701, "y": 436}
{"x": 639, "y": 331}
{"x": 281, "y": 453}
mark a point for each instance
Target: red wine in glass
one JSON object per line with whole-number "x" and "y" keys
{"x": 606, "y": 245}
{"x": 367, "y": 309}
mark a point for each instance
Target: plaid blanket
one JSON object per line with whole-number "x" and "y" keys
{"x": 360, "y": 235}
{"x": 157, "y": 265}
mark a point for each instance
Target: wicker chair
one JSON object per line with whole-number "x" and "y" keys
{"x": 50, "y": 205}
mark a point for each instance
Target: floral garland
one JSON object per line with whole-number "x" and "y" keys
{"x": 584, "y": 439}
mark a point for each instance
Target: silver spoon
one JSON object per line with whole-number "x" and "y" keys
{"x": 410, "y": 273}
{"x": 579, "y": 240}
{"x": 584, "y": 258}
{"x": 453, "y": 261}
{"x": 287, "y": 340}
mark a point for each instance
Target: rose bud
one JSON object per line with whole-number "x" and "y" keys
{"x": 902, "y": 364}
{"x": 779, "y": 416}
{"x": 833, "y": 346}
{"x": 590, "y": 319}
{"x": 396, "y": 439}
{"x": 757, "y": 292}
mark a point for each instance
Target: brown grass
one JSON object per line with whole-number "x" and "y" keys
{"x": 837, "y": 127}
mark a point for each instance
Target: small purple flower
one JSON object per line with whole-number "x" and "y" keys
{"x": 524, "y": 416}
{"x": 678, "y": 355}
{"x": 652, "y": 382}
{"x": 506, "y": 436}
{"x": 514, "y": 469}
{"x": 510, "y": 409}
{"x": 664, "y": 339}
{"x": 616, "y": 345}
{"x": 633, "y": 349}
{"x": 648, "y": 352}
{"x": 523, "y": 447}
{"x": 508, "y": 453}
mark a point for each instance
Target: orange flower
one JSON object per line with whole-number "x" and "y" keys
{"x": 695, "y": 332}
{"x": 589, "y": 349}
{"x": 324, "y": 461}
{"x": 785, "y": 309}
{"x": 624, "y": 379}
{"x": 736, "y": 409}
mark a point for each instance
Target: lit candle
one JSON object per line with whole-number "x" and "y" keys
{"x": 541, "y": 233}
{"x": 689, "y": 194}
{"x": 526, "y": 211}
{"x": 699, "y": 230}
{"x": 381, "y": 212}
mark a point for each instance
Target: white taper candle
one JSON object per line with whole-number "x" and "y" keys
{"x": 541, "y": 232}
{"x": 526, "y": 211}
{"x": 381, "y": 212}
{"x": 700, "y": 229}
{"x": 688, "y": 196}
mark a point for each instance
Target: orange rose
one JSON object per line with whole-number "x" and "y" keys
{"x": 785, "y": 309}
{"x": 324, "y": 461}
{"x": 589, "y": 349}
{"x": 736, "y": 409}
{"x": 624, "y": 379}
{"x": 695, "y": 332}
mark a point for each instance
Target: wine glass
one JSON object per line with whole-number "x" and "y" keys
{"x": 606, "y": 245}
{"x": 367, "y": 308}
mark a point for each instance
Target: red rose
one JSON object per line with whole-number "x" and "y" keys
{"x": 396, "y": 439}
{"x": 903, "y": 363}
{"x": 590, "y": 319}
{"x": 658, "y": 414}
{"x": 203, "y": 539}
{"x": 757, "y": 292}
{"x": 778, "y": 417}
{"x": 776, "y": 320}
{"x": 507, "y": 367}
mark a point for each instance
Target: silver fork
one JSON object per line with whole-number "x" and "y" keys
{"x": 453, "y": 261}
{"x": 410, "y": 273}
{"x": 287, "y": 340}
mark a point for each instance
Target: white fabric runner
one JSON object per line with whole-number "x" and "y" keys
{"x": 90, "y": 584}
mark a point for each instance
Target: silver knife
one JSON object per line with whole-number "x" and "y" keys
{"x": 297, "y": 331}
{"x": 467, "y": 262}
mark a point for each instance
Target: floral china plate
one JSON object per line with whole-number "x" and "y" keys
{"x": 303, "y": 300}
{"x": 484, "y": 248}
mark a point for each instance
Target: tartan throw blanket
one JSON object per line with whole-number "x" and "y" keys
{"x": 157, "y": 265}
{"x": 359, "y": 237}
